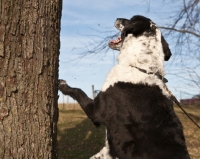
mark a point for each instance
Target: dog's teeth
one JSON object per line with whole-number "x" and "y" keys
{"x": 116, "y": 41}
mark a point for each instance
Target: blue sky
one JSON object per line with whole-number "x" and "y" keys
{"x": 85, "y": 23}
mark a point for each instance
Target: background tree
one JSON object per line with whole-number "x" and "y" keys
{"x": 181, "y": 29}
{"x": 184, "y": 30}
{"x": 29, "y": 50}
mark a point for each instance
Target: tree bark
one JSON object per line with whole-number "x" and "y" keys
{"x": 29, "y": 50}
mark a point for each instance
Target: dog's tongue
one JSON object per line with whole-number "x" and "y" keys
{"x": 116, "y": 41}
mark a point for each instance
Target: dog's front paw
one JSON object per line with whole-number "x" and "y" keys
{"x": 61, "y": 82}
{"x": 63, "y": 87}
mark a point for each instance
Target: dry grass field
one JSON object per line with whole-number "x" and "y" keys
{"x": 192, "y": 133}
{"x": 77, "y": 136}
{"x": 79, "y": 139}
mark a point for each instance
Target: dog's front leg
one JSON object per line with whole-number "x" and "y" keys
{"x": 90, "y": 109}
{"x": 85, "y": 102}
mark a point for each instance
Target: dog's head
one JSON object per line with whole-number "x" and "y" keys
{"x": 138, "y": 26}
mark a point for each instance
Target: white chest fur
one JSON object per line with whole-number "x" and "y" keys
{"x": 142, "y": 52}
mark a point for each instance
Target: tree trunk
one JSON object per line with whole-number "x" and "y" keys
{"x": 29, "y": 50}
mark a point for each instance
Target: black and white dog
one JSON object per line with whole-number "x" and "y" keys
{"x": 133, "y": 104}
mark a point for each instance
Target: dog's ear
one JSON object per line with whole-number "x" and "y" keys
{"x": 166, "y": 49}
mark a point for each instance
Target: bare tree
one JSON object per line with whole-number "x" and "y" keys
{"x": 185, "y": 32}
{"x": 182, "y": 28}
{"x": 29, "y": 50}
{"x": 186, "y": 20}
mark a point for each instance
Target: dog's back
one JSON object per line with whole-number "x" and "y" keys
{"x": 140, "y": 122}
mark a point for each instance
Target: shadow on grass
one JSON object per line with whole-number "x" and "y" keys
{"x": 81, "y": 139}
{"x": 78, "y": 138}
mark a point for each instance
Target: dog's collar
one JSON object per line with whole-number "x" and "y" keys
{"x": 150, "y": 73}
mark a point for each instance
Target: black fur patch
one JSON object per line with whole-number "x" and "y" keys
{"x": 142, "y": 26}
{"x": 140, "y": 121}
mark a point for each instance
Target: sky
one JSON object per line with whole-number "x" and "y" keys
{"x": 85, "y": 23}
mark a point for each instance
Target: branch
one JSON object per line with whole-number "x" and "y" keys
{"x": 181, "y": 31}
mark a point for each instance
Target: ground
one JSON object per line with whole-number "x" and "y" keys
{"x": 78, "y": 138}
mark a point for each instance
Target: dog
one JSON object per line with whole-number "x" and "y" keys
{"x": 133, "y": 104}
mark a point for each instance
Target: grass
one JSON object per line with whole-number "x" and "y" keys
{"x": 192, "y": 133}
{"x": 78, "y": 138}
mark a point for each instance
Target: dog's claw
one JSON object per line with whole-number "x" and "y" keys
{"x": 61, "y": 81}
{"x": 63, "y": 86}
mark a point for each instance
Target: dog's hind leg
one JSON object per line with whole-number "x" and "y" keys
{"x": 104, "y": 153}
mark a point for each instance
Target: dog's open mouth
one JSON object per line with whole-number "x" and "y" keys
{"x": 115, "y": 44}
{"x": 118, "y": 40}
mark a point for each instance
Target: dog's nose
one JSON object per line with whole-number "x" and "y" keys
{"x": 117, "y": 23}
{"x": 120, "y": 23}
